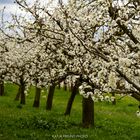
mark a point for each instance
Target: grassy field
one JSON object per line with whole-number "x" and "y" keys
{"x": 18, "y": 122}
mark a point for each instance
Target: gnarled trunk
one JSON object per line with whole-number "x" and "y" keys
{"x": 37, "y": 97}
{"x": 1, "y": 88}
{"x": 87, "y": 112}
{"x": 50, "y": 97}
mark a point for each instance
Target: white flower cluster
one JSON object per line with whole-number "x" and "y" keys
{"x": 96, "y": 95}
{"x": 138, "y": 113}
{"x": 95, "y": 40}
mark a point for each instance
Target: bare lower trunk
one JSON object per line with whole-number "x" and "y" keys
{"x": 114, "y": 101}
{"x": 37, "y": 97}
{"x": 71, "y": 99}
{"x": 59, "y": 85}
{"x": 65, "y": 86}
{"x": 71, "y": 87}
{"x": 1, "y": 88}
{"x": 50, "y": 97}
{"x": 22, "y": 97}
{"x": 87, "y": 112}
{"x": 18, "y": 94}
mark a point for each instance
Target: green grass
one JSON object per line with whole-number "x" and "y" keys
{"x": 112, "y": 122}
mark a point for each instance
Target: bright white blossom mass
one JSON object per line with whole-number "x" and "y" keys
{"x": 95, "y": 42}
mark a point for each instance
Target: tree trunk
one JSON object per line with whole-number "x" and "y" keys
{"x": 71, "y": 99}
{"x": 65, "y": 85}
{"x": 1, "y": 88}
{"x": 22, "y": 97}
{"x": 71, "y": 86}
{"x": 136, "y": 96}
{"x": 18, "y": 94}
{"x": 50, "y": 97}
{"x": 114, "y": 101}
{"x": 59, "y": 85}
{"x": 37, "y": 97}
{"x": 87, "y": 112}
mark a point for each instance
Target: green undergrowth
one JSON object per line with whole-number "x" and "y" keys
{"x": 23, "y": 122}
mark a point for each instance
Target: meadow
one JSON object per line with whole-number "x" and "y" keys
{"x": 23, "y": 122}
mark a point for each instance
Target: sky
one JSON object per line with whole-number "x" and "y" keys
{"x": 11, "y": 7}
{"x": 6, "y": 1}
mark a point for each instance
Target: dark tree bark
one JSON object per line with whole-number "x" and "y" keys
{"x": 59, "y": 85}
{"x": 136, "y": 96}
{"x": 87, "y": 112}
{"x": 65, "y": 85}
{"x": 71, "y": 87}
{"x": 114, "y": 101}
{"x": 71, "y": 84}
{"x": 1, "y": 88}
{"x": 71, "y": 99}
{"x": 18, "y": 94}
{"x": 50, "y": 97}
{"x": 22, "y": 97}
{"x": 22, "y": 86}
{"x": 37, "y": 97}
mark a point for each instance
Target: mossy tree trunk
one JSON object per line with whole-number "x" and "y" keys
{"x": 87, "y": 112}
{"x": 50, "y": 97}
{"x": 1, "y": 88}
{"x": 37, "y": 97}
